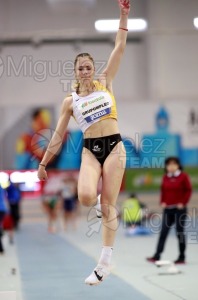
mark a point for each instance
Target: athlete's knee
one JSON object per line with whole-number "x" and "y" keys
{"x": 87, "y": 198}
{"x": 109, "y": 211}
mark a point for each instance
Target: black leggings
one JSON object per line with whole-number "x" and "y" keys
{"x": 101, "y": 147}
{"x": 171, "y": 216}
{"x": 15, "y": 213}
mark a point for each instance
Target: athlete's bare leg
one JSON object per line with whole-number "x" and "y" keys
{"x": 112, "y": 174}
{"x": 90, "y": 172}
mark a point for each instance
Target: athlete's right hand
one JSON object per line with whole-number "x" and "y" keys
{"x": 124, "y": 6}
{"x": 42, "y": 174}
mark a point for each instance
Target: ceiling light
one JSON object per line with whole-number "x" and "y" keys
{"x": 196, "y": 22}
{"x": 113, "y": 25}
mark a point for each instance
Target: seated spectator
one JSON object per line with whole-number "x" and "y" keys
{"x": 133, "y": 216}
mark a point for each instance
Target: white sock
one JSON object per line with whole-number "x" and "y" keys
{"x": 98, "y": 205}
{"x": 105, "y": 258}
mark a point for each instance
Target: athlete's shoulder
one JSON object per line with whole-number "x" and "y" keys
{"x": 67, "y": 102}
{"x": 68, "y": 98}
{"x": 101, "y": 85}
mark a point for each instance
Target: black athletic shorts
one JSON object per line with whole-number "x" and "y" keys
{"x": 101, "y": 147}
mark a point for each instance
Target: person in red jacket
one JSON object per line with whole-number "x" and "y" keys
{"x": 176, "y": 190}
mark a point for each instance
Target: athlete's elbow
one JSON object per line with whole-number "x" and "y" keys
{"x": 56, "y": 142}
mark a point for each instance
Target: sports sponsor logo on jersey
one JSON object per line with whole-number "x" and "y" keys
{"x": 98, "y": 107}
{"x": 84, "y": 104}
{"x": 98, "y": 115}
{"x": 95, "y": 107}
{"x": 90, "y": 102}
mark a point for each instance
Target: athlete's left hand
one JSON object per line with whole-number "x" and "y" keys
{"x": 124, "y": 6}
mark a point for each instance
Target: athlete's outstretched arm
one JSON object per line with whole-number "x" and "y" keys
{"x": 57, "y": 138}
{"x": 120, "y": 43}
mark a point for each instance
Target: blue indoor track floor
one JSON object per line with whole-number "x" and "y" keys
{"x": 51, "y": 268}
{"x": 44, "y": 266}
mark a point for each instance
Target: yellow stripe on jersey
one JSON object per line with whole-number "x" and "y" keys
{"x": 113, "y": 113}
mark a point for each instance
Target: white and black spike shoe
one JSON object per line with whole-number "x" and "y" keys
{"x": 98, "y": 275}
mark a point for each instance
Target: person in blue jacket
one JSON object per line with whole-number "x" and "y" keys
{"x": 14, "y": 198}
{"x": 3, "y": 211}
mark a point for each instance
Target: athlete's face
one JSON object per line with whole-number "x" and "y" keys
{"x": 84, "y": 70}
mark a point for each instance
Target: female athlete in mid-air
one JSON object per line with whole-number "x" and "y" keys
{"x": 94, "y": 108}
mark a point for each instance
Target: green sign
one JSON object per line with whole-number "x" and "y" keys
{"x": 143, "y": 180}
